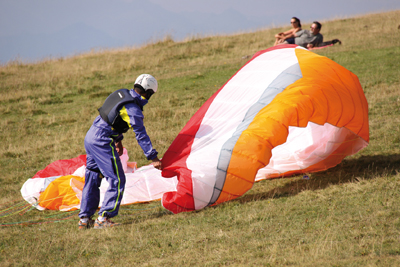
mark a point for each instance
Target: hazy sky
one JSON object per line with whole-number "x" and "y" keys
{"x": 35, "y": 29}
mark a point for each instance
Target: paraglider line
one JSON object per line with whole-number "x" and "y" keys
{"x": 15, "y": 209}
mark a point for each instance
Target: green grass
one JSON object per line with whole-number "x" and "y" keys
{"x": 345, "y": 216}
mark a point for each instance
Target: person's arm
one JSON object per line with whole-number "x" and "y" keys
{"x": 290, "y": 35}
{"x": 144, "y": 140}
{"x": 291, "y": 31}
{"x": 134, "y": 117}
{"x": 316, "y": 41}
{"x": 287, "y": 32}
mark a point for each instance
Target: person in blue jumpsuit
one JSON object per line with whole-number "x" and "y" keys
{"x": 121, "y": 111}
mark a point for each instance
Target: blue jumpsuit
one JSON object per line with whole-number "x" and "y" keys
{"x": 103, "y": 159}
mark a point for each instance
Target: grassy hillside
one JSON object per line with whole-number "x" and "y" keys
{"x": 346, "y": 216}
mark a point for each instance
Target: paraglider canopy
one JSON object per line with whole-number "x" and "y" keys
{"x": 287, "y": 111}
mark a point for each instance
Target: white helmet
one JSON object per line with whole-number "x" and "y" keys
{"x": 146, "y": 81}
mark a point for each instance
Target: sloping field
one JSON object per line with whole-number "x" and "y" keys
{"x": 345, "y": 216}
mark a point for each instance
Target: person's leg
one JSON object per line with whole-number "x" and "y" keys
{"x": 115, "y": 176}
{"x": 278, "y": 39}
{"x": 290, "y": 40}
{"x": 90, "y": 193}
{"x": 90, "y": 199}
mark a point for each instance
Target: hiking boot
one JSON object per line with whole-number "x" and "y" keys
{"x": 85, "y": 225}
{"x": 105, "y": 224}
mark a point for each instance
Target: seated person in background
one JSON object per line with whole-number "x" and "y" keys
{"x": 309, "y": 38}
{"x": 290, "y": 34}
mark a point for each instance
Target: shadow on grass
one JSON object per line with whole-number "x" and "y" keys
{"x": 142, "y": 212}
{"x": 348, "y": 171}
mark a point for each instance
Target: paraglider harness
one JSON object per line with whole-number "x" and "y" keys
{"x": 109, "y": 112}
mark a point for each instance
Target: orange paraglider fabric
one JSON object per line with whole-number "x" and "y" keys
{"x": 59, "y": 194}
